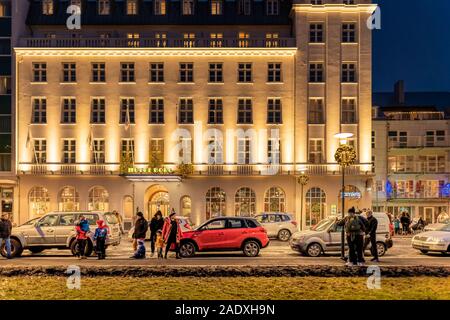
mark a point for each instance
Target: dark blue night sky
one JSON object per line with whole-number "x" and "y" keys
{"x": 413, "y": 44}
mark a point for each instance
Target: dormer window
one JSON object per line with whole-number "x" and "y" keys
{"x": 132, "y": 7}
{"x": 216, "y": 7}
{"x": 104, "y": 7}
{"x": 188, "y": 7}
{"x": 272, "y": 7}
{"x": 244, "y": 7}
{"x": 47, "y": 7}
{"x": 160, "y": 7}
{"x": 76, "y": 3}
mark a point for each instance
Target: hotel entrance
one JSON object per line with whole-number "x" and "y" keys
{"x": 158, "y": 199}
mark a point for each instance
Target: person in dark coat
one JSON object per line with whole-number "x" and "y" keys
{"x": 172, "y": 234}
{"x": 371, "y": 237}
{"x": 156, "y": 224}
{"x": 405, "y": 221}
{"x": 355, "y": 228}
{"x": 5, "y": 234}
{"x": 140, "y": 230}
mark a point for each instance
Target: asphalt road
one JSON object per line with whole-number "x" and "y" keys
{"x": 277, "y": 254}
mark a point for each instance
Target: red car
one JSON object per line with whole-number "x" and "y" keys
{"x": 225, "y": 234}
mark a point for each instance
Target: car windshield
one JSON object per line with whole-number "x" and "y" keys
{"x": 323, "y": 225}
{"x": 445, "y": 228}
{"x": 111, "y": 218}
{"x": 30, "y": 222}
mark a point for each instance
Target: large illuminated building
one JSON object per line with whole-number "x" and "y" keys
{"x": 208, "y": 107}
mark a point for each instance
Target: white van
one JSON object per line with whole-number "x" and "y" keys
{"x": 326, "y": 237}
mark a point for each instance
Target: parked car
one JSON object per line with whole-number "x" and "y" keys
{"x": 225, "y": 234}
{"x": 57, "y": 230}
{"x": 326, "y": 237}
{"x": 436, "y": 226}
{"x": 278, "y": 225}
{"x": 185, "y": 223}
{"x": 433, "y": 241}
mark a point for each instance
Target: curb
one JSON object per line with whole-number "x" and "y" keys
{"x": 227, "y": 271}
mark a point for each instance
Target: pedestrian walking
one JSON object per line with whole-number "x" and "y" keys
{"x": 5, "y": 233}
{"x": 397, "y": 225}
{"x": 140, "y": 231}
{"x": 101, "y": 233}
{"x": 354, "y": 228}
{"x": 156, "y": 224}
{"x": 82, "y": 229}
{"x": 371, "y": 236}
{"x": 405, "y": 221}
{"x": 159, "y": 244}
{"x": 172, "y": 234}
{"x": 119, "y": 220}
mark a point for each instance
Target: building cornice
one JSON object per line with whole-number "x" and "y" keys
{"x": 155, "y": 52}
{"x": 328, "y": 8}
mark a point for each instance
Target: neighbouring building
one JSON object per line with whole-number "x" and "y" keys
{"x": 208, "y": 107}
{"x": 411, "y": 150}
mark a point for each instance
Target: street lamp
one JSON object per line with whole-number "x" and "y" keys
{"x": 345, "y": 156}
{"x": 303, "y": 181}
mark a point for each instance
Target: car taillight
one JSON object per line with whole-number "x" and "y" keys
{"x": 294, "y": 222}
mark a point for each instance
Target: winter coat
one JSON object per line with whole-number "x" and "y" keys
{"x": 168, "y": 227}
{"x": 101, "y": 231}
{"x": 140, "y": 228}
{"x": 373, "y": 225}
{"x": 156, "y": 224}
{"x": 81, "y": 234}
{"x": 5, "y": 228}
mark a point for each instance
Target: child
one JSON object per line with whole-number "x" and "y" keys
{"x": 159, "y": 244}
{"x": 140, "y": 252}
{"x": 82, "y": 229}
{"x": 101, "y": 233}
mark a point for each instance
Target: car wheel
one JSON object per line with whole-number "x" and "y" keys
{"x": 16, "y": 249}
{"x": 251, "y": 248}
{"x": 187, "y": 249}
{"x": 87, "y": 250}
{"x": 381, "y": 249}
{"x": 284, "y": 235}
{"x": 73, "y": 247}
{"x": 314, "y": 250}
{"x": 424, "y": 251}
{"x": 35, "y": 250}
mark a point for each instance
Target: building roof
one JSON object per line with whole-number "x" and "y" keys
{"x": 414, "y": 101}
{"x": 173, "y": 16}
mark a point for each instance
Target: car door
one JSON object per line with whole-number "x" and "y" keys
{"x": 235, "y": 232}
{"x": 212, "y": 235}
{"x": 271, "y": 226}
{"x": 333, "y": 238}
{"x": 43, "y": 232}
{"x": 65, "y": 228}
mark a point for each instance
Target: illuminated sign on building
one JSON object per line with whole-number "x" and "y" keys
{"x": 151, "y": 170}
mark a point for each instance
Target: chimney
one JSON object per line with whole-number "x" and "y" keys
{"x": 399, "y": 92}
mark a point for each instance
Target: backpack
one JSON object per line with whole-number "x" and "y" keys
{"x": 354, "y": 225}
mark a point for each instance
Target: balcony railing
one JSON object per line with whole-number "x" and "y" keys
{"x": 419, "y": 142}
{"x": 421, "y": 167}
{"x": 198, "y": 169}
{"x": 419, "y": 195}
{"x": 156, "y": 43}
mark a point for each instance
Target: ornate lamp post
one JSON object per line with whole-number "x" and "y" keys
{"x": 345, "y": 156}
{"x": 303, "y": 181}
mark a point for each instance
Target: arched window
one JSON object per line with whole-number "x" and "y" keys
{"x": 38, "y": 202}
{"x": 215, "y": 203}
{"x": 98, "y": 199}
{"x": 69, "y": 199}
{"x": 245, "y": 202}
{"x": 315, "y": 206}
{"x": 274, "y": 200}
{"x": 185, "y": 205}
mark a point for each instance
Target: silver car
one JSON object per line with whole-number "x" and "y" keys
{"x": 278, "y": 225}
{"x": 56, "y": 230}
{"x": 433, "y": 241}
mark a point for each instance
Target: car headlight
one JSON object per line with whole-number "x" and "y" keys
{"x": 435, "y": 240}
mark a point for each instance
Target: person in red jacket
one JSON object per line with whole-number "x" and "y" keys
{"x": 172, "y": 234}
{"x": 82, "y": 229}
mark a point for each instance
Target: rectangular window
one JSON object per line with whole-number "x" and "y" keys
{"x": 69, "y": 151}
{"x": 98, "y": 110}
{"x": 274, "y": 72}
{"x": 216, "y": 40}
{"x": 272, "y": 7}
{"x": 39, "y": 72}
{"x": 156, "y": 151}
{"x": 133, "y": 40}
{"x": 373, "y": 140}
{"x": 274, "y": 111}
{"x": 160, "y": 7}
{"x": 245, "y": 114}
{"x": 127, "y": 150}
{"x": 273, "y": 151}
{"x": 186, "y": 72}
{"x": 189, "y": 40}
{"x": 316, "y": 72}
{"x": 39, "y": 110}
{"x": 349, "y": 111}
{"x": 103, "y": 7}
{"x": 156, "y": 111}
{"x": 132, "y": 7}
{"x": 5, "y": 85}
{"x": 215, "y": 72}
{"x": 243, "y": 152}
{"x": 157, "y": 72}
{"x": 98, "y": 72}
{"x": 348, "y": 33}
{"x": 215, "y": 150}
{"x": 69, "y": 110}
{"x": 215, "y": 111}
{"x": 69, "y": 72}
{"x": 316, "y": 112}
{"x": 127, "y": 111}
{"x": 316, "y": 33}
{"x": 272, "y": 40}
{"x": 47, "y": 7}
{"x": 127, "y": 72}
{"x": 5, "y": 9}
{"x": 244, "y": 72}
{"x": 243, "y": 38}
{"x": 185, "y": 152}
{"x": 98, "y": 151}
{"x": 216, "y": 7}
{"x": 188, "y": 7}
{"x": 40, "y": 151}
{"x": 186, "y": 111}
{"x": 315, "y": 151}
{"x": 244, "y": 7}
{"x": 161, "y": 39}
{"x": 348, "y": 72}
